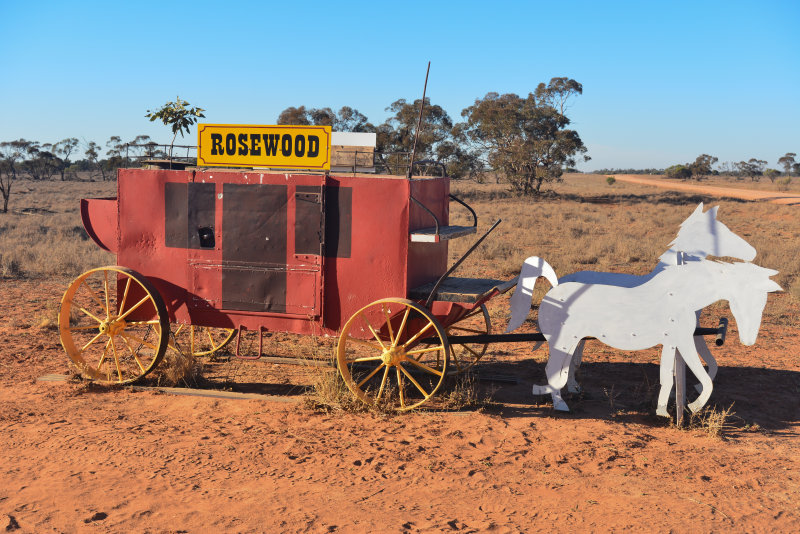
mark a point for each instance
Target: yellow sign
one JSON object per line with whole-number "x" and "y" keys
{"x": 285, "y": 147}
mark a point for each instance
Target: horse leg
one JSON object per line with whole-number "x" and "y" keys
{"x": 692, "y": 359}
{"x": 577, "y": 356}
{"x": 666, "y": 376}
{"x": 557, "y": 370}
{"x": 702, "y": 349}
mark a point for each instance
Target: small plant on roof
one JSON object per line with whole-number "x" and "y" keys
{"x": 177, "y": 115}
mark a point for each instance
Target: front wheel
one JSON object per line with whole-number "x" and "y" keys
{"x": 393, "y": 353}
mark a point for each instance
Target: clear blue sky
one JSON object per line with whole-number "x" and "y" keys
{"x": 663, "y": 81}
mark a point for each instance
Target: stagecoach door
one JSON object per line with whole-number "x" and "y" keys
{"x": 272, "y": 243}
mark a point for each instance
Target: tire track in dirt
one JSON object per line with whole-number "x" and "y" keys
{"x": 730, "y": 192}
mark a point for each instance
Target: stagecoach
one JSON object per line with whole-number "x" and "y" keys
{"x": 207, "y": 254}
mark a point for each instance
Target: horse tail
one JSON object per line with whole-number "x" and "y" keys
{"x": 533, "y": 268}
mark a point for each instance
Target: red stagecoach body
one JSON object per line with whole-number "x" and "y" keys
{"x": 291, "y": 252}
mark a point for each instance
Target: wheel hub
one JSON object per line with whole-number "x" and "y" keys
{"x": 112, "y": 327}
{"x": 393, "y": 356}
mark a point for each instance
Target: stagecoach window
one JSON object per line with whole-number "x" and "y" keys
{"x": 206, "y": 236}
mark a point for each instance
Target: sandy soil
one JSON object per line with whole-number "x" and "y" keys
{"x": 743, "y": 193}
{"x": 77, "y": 458}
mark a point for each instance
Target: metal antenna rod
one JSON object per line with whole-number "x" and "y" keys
{"x": 419, "y": 123}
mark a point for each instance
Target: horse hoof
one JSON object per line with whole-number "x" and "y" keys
{"x": 695, "y": 406}
{"x": 662, "y": 411}
{"x": 560, "y": 406}
{"x": 540, "y": 390}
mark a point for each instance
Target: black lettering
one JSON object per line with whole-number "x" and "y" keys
{"x": 299, "y": 146}
{"x": 216, "y": 144}
{"x": 271, "y": 144}
{"x": 230, "y": 144}
{"x": 286, "y": 145}
{"x": 242, "y": 144}
{"x": 255, "y": 150}
{"x": 313, "y": 146}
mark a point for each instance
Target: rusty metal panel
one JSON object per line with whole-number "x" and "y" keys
{"x": 308, "y": 227}
{"x": 99, "y": 217}
{"x": 338, "y": 221}
{"x": 189, "y": 215}
{"x": 254, "y": 226}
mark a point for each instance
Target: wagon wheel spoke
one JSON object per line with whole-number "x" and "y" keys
{"x": 413, "y": 381}
{"x": 133, "y": 353}
{"x": 374, "y": 333}
{"x": 424, "y": 367}
{"x": 465, "y": 355}
{"x": 424, "y": 351}
{"x": 383, "y": 383}
{"x": 373, "y": 373}
{"x": 91, "y": 341}
{"x": 105, "y": 353}
{"x": 400, "y": 387}
{"x": 125, "y": 294}
{"x": 105, "y": 288}
{"x": 402, "y": 327}
{"x": 116, "y": 358}
{"x": 92, "y": 294}
{"x": 134, "y": 308}
{"x": 392, "y": 339}
{"x": 79, "y": 328}
{"x": 361, "y": 342}
{"x": 91, "y": 315}
{"x": 416, "y": 336}
{"x": 366, "y": 359}
{"x": 143, "y": 323}
{"x": 139, "y": 340}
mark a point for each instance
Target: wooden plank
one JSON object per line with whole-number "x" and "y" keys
{"x": 680, "y": 388}
{"x": 347, "y": 156}
{"x": 461, "y": 289}
{"x": 428, "y": 235}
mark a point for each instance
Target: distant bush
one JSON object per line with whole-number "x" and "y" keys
{"x": 678, "y": 171}
{"x": 610, "y": 180}
{"x": 783, "y": 183}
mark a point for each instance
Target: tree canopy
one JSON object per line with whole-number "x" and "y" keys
{"x": 526, "y": 139}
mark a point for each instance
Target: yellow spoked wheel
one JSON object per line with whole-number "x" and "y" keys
{"x": 113, "y": 325}
{"x": 466, "y": 355}
{"x": 393, "y": 352}
{"x": 200, "y": 340}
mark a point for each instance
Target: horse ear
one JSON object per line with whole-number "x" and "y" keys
{"x": 713, "y": 212}
{"x": 698, "y": 210}
{"x": 773, "y": 286}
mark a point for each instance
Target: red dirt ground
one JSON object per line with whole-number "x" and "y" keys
{"x": 77, "y": 458}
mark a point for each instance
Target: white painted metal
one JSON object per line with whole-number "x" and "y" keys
{"x": 594, "y": 297}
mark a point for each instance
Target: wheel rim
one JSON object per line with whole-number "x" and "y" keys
{"x": 113, "y": 325}
{"x": 383, "y": 359}
{"x": 466, "y": 355}
{"x": 200, "y": 340}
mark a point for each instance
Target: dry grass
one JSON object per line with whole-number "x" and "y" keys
{"x": 585, "y": 225}
{"x": 42, "y": 234}
{"x": 712, "y": 420}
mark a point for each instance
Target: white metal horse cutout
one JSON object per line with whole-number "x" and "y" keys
{"x": 700, "y": 235}
{"x": 660, "y": 311}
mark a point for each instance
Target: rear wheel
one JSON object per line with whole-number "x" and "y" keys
{"x": 393, "y": 353}
{"x": 465, "y": 355}
{"x": 200, "y": 340}
{"x": 113, "y": 325}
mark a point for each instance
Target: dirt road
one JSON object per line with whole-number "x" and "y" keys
{"x": 722, "y": 192}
